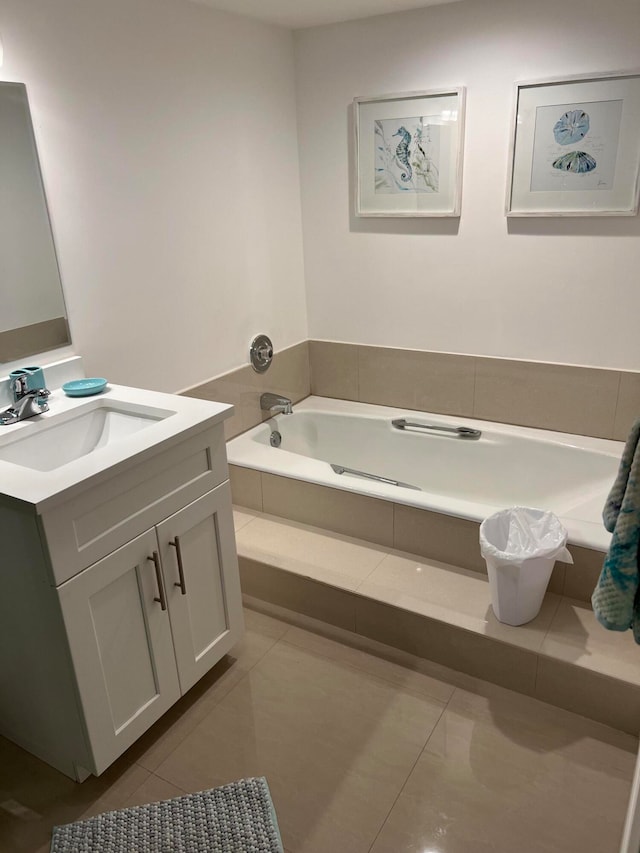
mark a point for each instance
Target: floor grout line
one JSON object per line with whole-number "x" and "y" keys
{"x": 408, "y": 776}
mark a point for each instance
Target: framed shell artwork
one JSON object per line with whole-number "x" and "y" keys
{"x": 575, "y": 147}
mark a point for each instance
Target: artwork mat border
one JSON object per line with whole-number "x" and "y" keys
{"x": 459, "y": 92}
{"x": 552, "y": 83}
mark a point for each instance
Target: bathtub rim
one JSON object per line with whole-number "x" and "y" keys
{"x": 583, "y": 521}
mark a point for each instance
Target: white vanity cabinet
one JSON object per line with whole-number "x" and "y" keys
{"x": 118, "y": 600}
{"x": 149, "y": 620}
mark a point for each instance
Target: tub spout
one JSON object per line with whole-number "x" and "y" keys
{"x": 275, "y": 404}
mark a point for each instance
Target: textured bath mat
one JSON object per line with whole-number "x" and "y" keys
{"x": 236, "y": 818}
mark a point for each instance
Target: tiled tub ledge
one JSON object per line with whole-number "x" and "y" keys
{"x": 441, "y": 613}
{"x": 433, "y": 535}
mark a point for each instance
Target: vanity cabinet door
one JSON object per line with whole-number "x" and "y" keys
{"x": 121, "y": 645}
{"x": 197, "y": 545}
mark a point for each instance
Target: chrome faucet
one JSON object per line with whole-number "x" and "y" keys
{"x": 275, "y": 405}
{"x": 29, "y": 404}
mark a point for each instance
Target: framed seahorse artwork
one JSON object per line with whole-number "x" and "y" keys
{"x": 575, "y": 147}
{"x": 409, "y": 153}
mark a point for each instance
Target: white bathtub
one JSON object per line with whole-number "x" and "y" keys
{"x": 506, "y": 466}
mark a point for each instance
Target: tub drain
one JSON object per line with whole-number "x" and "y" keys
{"x": 275, "y": 439}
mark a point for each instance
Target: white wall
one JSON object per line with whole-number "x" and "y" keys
{"x": 167, "y": 138}
{"x": 549, "y": 290}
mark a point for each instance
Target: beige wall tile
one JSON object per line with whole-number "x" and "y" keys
{"x": 345, "y": 512}
{"x": 294, "y": 592}
{"x": 590, "y": 694}
{"x": 576, "y": 637}
{"x": 581, "y": 579}
{"x": 549, "y": 396}
{"x": 288, "y": 376}
{"x": 39, "y": 337}
{"x": 226, "y": 389}
{"x": 628, "y": 408}
{"x": 334, "y": 369}
{"x": 441, "y": 537}
{"x": 556, "y": 583}
{"x": 463, "y": 650}
{"x": 412, "y": 379}
{"x": 246, "y": 487}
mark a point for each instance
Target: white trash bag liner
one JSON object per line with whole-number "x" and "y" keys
{"x": 520, "y": 546}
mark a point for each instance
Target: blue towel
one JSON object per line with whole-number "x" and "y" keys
{"x": 616, "y": 600}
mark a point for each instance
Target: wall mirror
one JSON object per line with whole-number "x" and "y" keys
{"x": 32, "y": 311}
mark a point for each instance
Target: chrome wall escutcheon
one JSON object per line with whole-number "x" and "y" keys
{"x": 261, "y": 353}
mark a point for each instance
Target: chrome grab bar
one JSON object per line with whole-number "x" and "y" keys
{"x": 340, "y": 469}
{"x": 458, "y": 432}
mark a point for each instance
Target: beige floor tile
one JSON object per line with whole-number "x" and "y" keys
{"x": 459, "y": 597}
{"x": 402, "y": 676}
{"x": 515, "y": 714}
{"x": 34, "y": 797}
{"x": 153, "y": 790}
{"x": 172, "y": 728}
{"x": 502, "y": 784}
{"x": 327, "y": 557}
{"x": 335, "y": 744}
{"x": 261, "y": 633}
{"x": 575, "y": 636}
{"x": 241, "y": 518}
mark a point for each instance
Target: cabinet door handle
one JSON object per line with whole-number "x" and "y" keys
{"x": 162, "y": 601}
{"x": 176, "y": 544}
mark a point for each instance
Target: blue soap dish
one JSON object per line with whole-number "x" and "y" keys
{"x": 84, "y": 387}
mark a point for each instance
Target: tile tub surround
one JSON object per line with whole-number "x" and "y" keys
{"x": 287, "y": 376}
{"x": 429, "y": 534}
{"x": 582, "y": 400}
{"x": 441, "y": 613}
{"x": 566, "y": 398}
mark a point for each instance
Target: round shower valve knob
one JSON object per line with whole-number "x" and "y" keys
{"x": 261, "y": 353}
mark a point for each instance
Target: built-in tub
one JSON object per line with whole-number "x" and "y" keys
{"x": 438, "y": 471}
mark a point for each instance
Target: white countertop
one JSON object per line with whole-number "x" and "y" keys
{"x": 41, "y": 489}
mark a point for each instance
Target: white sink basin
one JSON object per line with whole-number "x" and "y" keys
{"x": 46, "y": 444}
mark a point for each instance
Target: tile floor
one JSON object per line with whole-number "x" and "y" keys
{"x": 364, "y": 749}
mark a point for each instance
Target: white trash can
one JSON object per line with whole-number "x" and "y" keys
{"x": 520, "y": 546}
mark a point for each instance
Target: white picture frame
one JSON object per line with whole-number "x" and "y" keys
{"x": 575, "y": 147}
{"x": 408, "y": 153}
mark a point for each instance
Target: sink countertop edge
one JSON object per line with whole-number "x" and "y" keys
{"x": 44, "y": 490}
